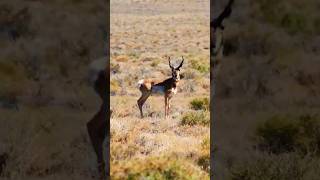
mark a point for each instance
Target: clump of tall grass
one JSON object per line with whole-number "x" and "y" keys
{"x": 204, "y": 159}
{"x": 201, "y": 67}
{"x": 282, "y": 134}
{"x": 200, "y": 104}
{"x": 196, "y": 118}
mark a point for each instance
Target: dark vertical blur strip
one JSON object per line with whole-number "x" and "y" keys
{"x": 212, "y": 91}
{"x": 108, "y": 90}
{"x": 213, "y": 5}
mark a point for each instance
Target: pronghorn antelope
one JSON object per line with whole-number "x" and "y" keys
{"x": 98, "y": 126}
{"x": 166, "y": 87}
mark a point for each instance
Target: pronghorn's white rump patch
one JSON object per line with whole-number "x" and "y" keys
{"x": 158, "y": 89}
{"x": 140, "y": 83}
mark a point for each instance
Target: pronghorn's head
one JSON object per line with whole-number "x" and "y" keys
{"x": 176, "y": 71}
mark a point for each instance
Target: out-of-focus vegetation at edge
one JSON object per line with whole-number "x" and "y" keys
{"x": 267, "y": 102}
{"x": 45, "y": 100}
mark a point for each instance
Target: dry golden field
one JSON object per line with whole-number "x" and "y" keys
{"x": 143, "y": 35}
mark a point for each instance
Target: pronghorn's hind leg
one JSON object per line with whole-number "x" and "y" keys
{"x": 139, "y": 102}
{"x": 142, "y": 100}
{"x": 145, "y": 93}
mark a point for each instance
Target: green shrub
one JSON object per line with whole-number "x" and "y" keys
{"x": 203, "y": 68}
{"x": 277, "y": 167}
{"x": 200, "y": 104}
{"x": 155, "y": 63}
{"x": 157, "y": 168}
{"x": 290, "y": 17}
{"x": 114, "y": 86}
{"x": 277, "y": 134}
{"x": 196, "y": 118}
{"x": 281, "y": 134}
{"x": 309, "y": 134}
{"x": 293, "y": 22}
{"x": 204, "y": 159}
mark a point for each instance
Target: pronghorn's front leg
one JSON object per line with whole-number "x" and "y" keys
{"x": 166, "y": 105}
{"x": 169, "y": 105}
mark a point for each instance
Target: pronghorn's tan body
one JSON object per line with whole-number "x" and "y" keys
{"x": 167, "y": 87}
{"x": 157, "y": 86}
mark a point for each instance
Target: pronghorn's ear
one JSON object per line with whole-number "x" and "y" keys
{"x": 181, "y": 76}
{"x": 178, "y": 68}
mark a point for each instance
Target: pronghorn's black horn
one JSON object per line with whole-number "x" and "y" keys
{"x": 169, "y": 62}
{"x": 180, "y": 64}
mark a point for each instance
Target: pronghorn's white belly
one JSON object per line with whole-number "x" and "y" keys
{"x": 157, "y": 89}
{"x": 161, "y": 90}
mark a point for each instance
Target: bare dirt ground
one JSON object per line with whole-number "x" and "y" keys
{"x": 143, "y": 35}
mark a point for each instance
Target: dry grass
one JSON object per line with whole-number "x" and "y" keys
{"x": 146, "y": 33}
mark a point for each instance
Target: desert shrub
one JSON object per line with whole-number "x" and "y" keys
{"x": 12, "y": 78}
{"x": 190, "y": 74}
{"x": 189, "y": 86}
{"x": 309, "y": 134}
{"x": 200, "y": 104}
{"x": 114, "y": 68}
{"x": 281, "y": 134}
{"x": 290, "y": 16}
{"x": 134, "y": 55}
{"x": 277, "y": 167}
{"x": 203, "y": 68}
{"x": 196, "y": 118}
{"x": 169, "y": 168}
{"x": 114, "y": 86}
{"x": 293, "y": 22}
{"x": 204, "y": 159}
{"x": 155, "y": 63}
{"x": 277, "y": 134}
